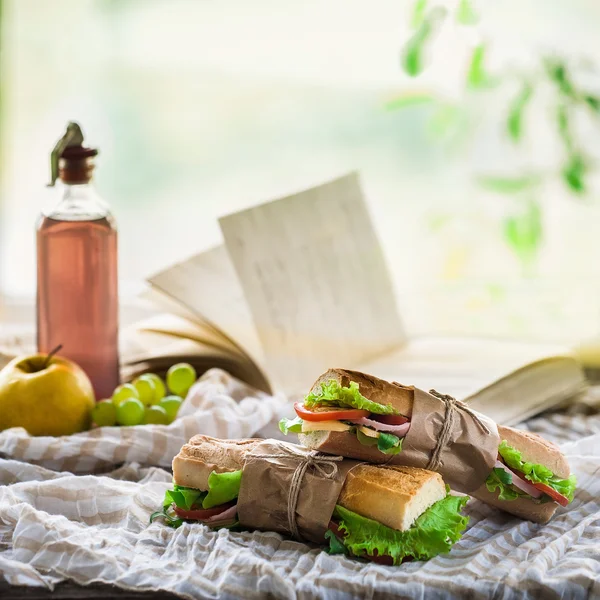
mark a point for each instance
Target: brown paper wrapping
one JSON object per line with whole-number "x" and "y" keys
{"x": 266, "y": 479}
{"x": 468, "y": 457}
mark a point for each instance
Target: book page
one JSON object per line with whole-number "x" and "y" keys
{"x": 505, "y": 379}
{"x": 460, "y": 367}
{"x": 316, "y": 282}
{"x": 207, "y": 285}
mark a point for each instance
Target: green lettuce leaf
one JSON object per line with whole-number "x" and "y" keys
{"x": 500, "y": 480}
{"x": 336, "y": 546}
{"x": 333, "y": 394}
{"x": 170, "y": 520}
{"x": 566, "y": 487}
{"x": 365, "y": 440}
{"x": 290, "y": 425}
{"x": 222, "y": 487}
{"x": 537, "y": 473}
{"x": 388, "y": 443}
{"x": 433, "y": 532}
{"x": 183, "y": 497}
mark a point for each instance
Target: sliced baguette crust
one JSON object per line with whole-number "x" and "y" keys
{"x": 521, "y": 507}
{"x": 346, "y": 444}
{"x": 537, "y": 450}
{"x": 393, "y": 496}
{"x": 377, "y": 390}
{"x": 203, "y": 454}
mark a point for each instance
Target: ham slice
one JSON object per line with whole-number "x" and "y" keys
{"x": 399, "y": 430}
{"x": 227, "y": 515}
{"x": 517, "y": 481}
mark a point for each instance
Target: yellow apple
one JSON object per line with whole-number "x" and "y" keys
{"x": 45, "y": 395}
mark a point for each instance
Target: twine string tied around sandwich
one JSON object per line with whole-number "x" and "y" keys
{"x": 452, "y": 405}
{"x": 324, "y": 464}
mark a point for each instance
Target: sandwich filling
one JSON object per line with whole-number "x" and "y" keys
{"x": 515, "y": 478}
{"x": 337, "y": 408}
{"x": 433, "y": 532}
{"x": 216, "y": 507}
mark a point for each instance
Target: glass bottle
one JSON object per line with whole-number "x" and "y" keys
{"x": 77, "y": 294}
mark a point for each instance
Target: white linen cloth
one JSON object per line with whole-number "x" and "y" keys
{"x": 94, "y": 528}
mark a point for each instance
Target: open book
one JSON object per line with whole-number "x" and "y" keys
{"x": 301, "y": 285}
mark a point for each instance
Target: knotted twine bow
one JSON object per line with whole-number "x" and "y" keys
{"x": 452, "y": 406}
{"x": 324, "y": 464}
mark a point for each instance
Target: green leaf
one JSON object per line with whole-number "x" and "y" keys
{"x": 476, "y": 75}
{"x": 509, "y": 185}
{"x": 366, "y": 440}
{"x": 593, "y": 102}
{"x": 222, "y": 488}
{"x": 388, "y": 443}
{"x": 333, "y": 394}
{"x": 558, "y": 73}
{"x": 563, "y": 123}
{"x": 524, "y": 232}
{"x": 418, "y": 13}
{"x": 412, "y": 54}
{"x": 290, "y": 425}
{"x": 412, "y": 58}
{"x": 466, "y": 14}
{"x": 182, "y": 497}
{"x": 336, "y": 546}
{"x": 566, "y": 487}
{"x": 574, "y": 173}
{"x": 514, "y": 122}
{"x": 169, "y": 520}
{"x": 433, "y": 533}
{"x": 536, "y": 473}
{"x": 500, "y": 480}
{"x": 409, "y": 100}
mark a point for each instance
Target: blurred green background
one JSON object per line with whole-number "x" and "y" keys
{"x": 200, "y": 108}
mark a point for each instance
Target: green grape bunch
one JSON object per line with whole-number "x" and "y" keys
{"x": 145, "y": 401}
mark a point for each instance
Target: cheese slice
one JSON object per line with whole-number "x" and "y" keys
{"x": 368, "y": 432}
{"x": 324, "y": 426}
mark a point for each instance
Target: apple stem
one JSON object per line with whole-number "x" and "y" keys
{"x": 51, "y": 354}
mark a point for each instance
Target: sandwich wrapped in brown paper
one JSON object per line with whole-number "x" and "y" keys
{"x": 273, "y": 472}
{"x": 468, "y": 441}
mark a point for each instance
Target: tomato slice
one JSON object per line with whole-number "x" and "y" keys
{"x": 546, "y": 489}
{"x": 389, "y": 419}
{"x": 333, "y": 414}
{"x": 334, "y": 528}
{"x": 386, "y": 560}
{"x": 197, "y": 514}
{"x": 556, "y": 496}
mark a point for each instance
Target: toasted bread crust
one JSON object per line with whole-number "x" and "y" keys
{"x": 374, "y": 389}
{"x": 203, "y": 454}
{"x": 536, "y": 449}
{"x": 521, "y": 507}
{"x": 407, "y": 481}
{"x": 392, "y": 495}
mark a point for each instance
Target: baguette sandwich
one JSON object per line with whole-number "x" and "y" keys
{"x": 362, "y": 417}
{"x": 385, "y": 514}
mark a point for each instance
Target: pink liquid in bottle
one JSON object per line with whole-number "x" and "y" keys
{"x": 77, "y": 294}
